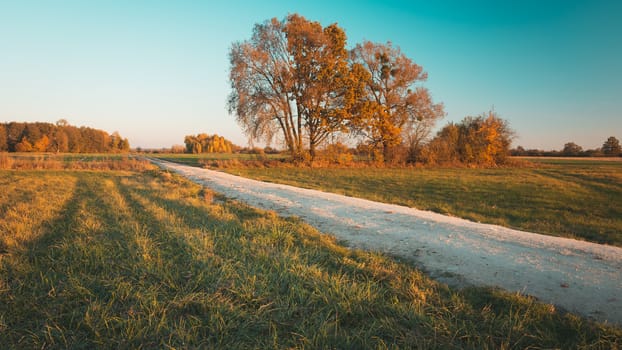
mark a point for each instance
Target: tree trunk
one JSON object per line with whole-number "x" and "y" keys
{"x": 386, "y": 152}
{"x": 312, "y": 150}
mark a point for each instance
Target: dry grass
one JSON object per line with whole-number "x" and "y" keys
{"x": 41, "y": 161}
{"x": 6, "y": 162}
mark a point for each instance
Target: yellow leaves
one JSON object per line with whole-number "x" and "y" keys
{"x": 203, "y": 143}
{"x": 394, "y": 107}
{"x": 23, "y": 146}
{"x": 41, "y": 145}
{"x": 483, "y": 140}
{"x": 494, "y": 143}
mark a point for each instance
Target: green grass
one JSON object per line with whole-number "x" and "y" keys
{"x": 563, "y": 198}
{"x": 573, "y": 161}
{"x": 149, "y": 260}
{"x": 206, "y": 158}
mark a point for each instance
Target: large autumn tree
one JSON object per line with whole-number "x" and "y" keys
{"x": 294, "y": 78}
{"x": 261, "y": 79}
{"x": 396, "y": 108}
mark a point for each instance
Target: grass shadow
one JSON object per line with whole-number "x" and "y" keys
{"x": 127, "y": 264}
{"x": 56, "y": 278}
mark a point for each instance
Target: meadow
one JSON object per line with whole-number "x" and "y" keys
{"x": 71, "y": 161}
{"x": 215, "y": 159}
{"x": 579, "y": 199}
{"x": 146, "y": 259}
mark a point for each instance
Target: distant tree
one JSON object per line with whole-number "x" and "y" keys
{"x": 204, "y": 143}
{"x": 4, "y": 145}
{"x": 118, "y": 143}
{"x": 41, "y": 145}
{"x": 193, "y": 145}
{"x": 518, "y": 151}
{"x": 178, "y": 149}
{"x": 271, "y": 150}
{"x": 394, "y": 107}
{"x": 23, "y": 146}
{"x": 74, "y": 139}
{"x": 597, "y": 152}
{"x": 32, "y": 132}
{"x": 572, "y": 149}
{"x": 60, "y": 141}
{"x": 60, "y": 137}
{"x": 612, "y": 147}
{"x": 15, "y": 131}
{"x": 124, "y": 145}
{"x": 535, "y": 152}
{"x": 115, "y": 141}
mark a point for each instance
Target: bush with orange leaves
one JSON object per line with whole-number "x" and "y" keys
{"x": 476, "y": 141}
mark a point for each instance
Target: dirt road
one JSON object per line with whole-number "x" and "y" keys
{"x": 578, "y": 276}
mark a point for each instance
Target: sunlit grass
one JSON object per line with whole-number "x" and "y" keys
{"x": 205, "y": 158}
{"x": 572, "y": 199}
{"x": 149, "y": 260}
{"x": 72, "y": 161}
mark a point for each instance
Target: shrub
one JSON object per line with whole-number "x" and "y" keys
{"x": 337, "y": 153}
{"x": 482, "y": 141}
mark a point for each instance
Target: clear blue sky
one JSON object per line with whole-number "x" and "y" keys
{"x": 158, "y": 70}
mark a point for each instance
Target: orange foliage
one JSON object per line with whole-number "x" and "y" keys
{"x": 203, "y": 143}
{"x": 392, "y": 104}
{"x": 482, "y": 140}
{"x": 23, "y": 146}
{"x": 41, "y": 145}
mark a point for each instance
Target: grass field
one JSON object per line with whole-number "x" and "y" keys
{"x": 206, "y": 158}
{"x": 569, "y": 198}
{"x": 73, "y": 161}
{"x": 148, "y": 260}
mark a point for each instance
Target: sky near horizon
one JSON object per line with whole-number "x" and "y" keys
{"x": 156, "y": 71}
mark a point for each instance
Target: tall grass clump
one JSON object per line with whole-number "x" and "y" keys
{"x": 150, "y": 260}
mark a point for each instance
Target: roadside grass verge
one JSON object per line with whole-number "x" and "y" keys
{"x": 71, "y": 161}
{"x": 218, "y": 159}
{"x": 150, "y": 260}
{"x": 569, "y": 199}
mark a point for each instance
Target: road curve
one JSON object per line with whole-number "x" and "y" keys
{"x": 580, "y": 277}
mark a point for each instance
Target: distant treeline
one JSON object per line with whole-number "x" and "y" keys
{"x": 204, "y": 143}
{"x": 611, "y": 148}
{"x": 59, "y": 137}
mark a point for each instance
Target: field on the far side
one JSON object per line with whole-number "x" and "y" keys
{"x": 146, "y": 259}
{"x": 207, "y": 159}
{"x": 562, "y": 197}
